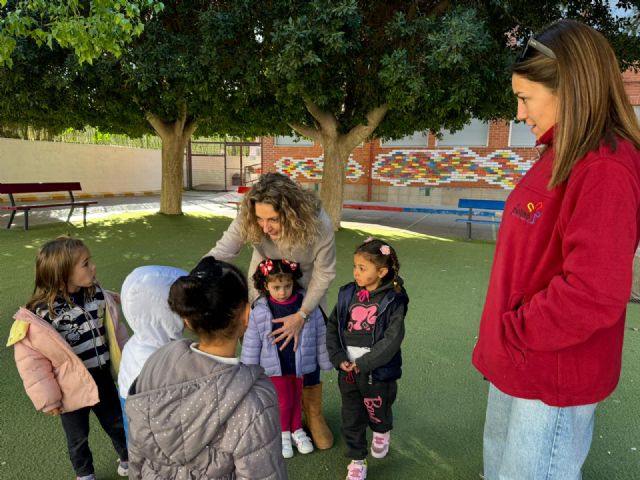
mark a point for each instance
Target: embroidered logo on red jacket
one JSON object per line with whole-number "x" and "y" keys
{"x": 530, "y": 213}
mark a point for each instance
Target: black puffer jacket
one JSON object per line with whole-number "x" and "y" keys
{"x": 383, "y": 363}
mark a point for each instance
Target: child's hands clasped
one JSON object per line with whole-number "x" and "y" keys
{"x": 347, "y": 366}
{"x": 54, "y": 412}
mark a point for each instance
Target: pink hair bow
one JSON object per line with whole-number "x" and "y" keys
{"x": 385, "y": 249}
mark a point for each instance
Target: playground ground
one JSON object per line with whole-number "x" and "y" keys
{"x": 440, "y": 408}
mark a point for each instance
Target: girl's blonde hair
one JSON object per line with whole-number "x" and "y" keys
{"x": 54, "y": 266}
{"x": 296, "y": 207}
{"x": 592, "y": 104}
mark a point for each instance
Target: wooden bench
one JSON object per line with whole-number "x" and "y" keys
{"x": 15, "y": 188}
{"x": 480, "y": 208}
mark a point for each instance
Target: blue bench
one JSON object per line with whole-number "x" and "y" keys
{"x": 480, "y": 208}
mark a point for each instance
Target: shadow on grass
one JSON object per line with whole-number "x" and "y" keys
{"x": 441, "y": 399}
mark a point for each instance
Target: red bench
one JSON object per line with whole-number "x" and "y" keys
{"x": 14, "y": 188}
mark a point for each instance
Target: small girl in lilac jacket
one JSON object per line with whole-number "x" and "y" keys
{"x": 281, "y": 295}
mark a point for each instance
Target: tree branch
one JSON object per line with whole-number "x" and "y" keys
{"x": 440, "y": 8}
{"x": 305, "y": 131}
{"x": 189, "y": 128}
{"x": 178, "y": 126}
{"x": 327, "y": 121}
{"x": 161, "y": 128}
{"x": 360, "y": 132}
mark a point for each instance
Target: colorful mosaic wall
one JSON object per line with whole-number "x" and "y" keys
{"x": 501, "y": 168}
{"x": 311, "y": 168}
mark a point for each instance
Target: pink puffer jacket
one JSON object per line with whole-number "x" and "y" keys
{"x": 54, "y": 376}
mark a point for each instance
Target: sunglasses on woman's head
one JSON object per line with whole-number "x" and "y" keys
{"x": 536, "y": 45}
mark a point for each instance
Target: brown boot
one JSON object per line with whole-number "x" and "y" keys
{"x": 312, "y": 407}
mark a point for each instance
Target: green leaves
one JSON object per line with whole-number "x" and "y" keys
{"x": 248, "y": 66}
{"x": 89, "y": 29}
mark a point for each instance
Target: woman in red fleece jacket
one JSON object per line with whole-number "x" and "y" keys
{"x": 551, "y": 332}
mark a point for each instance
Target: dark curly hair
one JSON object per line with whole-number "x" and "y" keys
{"x": 211, "y": 298}
{"x": 279, "y": 269}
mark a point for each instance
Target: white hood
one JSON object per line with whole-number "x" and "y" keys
{"x": 144, "y": 296}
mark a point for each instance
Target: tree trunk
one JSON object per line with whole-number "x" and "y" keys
{"x": 337, "y": 148}
{"x": 336, "y": 156}
{"x": 175, "y": 136}
{"x": 172, "y": 174}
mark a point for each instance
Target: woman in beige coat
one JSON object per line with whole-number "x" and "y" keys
{"x": 280, "y": 219}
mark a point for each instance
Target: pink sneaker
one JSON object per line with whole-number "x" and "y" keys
{"x": 357, "y": 470}
{"x": 380, "y": 444}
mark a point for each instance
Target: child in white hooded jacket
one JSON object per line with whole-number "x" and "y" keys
{"x": 144, "y": 298}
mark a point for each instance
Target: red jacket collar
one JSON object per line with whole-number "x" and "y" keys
{"x": 546, "y": 138}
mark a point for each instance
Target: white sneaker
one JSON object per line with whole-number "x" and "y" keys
{"x": 302, "y": 441}
{"x": 287, "y": 449}
{"x": 380, "y": 444}
{"x": 123, "y": 468}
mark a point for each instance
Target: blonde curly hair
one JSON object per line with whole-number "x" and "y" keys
{"x": 297, "y": 210}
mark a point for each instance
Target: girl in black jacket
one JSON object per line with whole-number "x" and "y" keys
{"x": 364, "y": 334}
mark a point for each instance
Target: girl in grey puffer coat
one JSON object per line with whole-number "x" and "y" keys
{"x": 195, "y": 412}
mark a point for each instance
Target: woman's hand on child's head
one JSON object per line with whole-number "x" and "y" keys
{"x": 54, "y": 412}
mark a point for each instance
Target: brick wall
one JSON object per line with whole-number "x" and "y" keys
{"x": 425, "y": 174}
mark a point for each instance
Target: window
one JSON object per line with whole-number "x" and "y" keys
{"x": 636, "y": 108}
{"x": 474, "y": 134}
{"x": 418, "y": 139}
{"x": 520, "y": 135}
{"x": 293, "y": 141}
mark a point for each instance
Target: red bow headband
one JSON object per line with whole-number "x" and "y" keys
{"x": 292, "y": 265}
{"x": 266, "y": 266}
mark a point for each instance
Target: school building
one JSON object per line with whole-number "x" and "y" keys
{"x": 483, "y": 160}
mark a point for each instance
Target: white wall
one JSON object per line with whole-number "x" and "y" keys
{"x": 100, "y": 169}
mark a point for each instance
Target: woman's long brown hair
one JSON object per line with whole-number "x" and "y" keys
{"x": 592, "y": 104}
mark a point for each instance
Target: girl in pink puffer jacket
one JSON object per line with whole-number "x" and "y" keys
{"x": 62, "y": 352}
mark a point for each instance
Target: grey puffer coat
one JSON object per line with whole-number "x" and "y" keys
{"x": 191, "y": 417}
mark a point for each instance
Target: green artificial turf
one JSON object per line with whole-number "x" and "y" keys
{"x": 439, "y": 413}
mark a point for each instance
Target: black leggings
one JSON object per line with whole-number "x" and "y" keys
{"x": 76, "y": 423}
{"x": 364, "y": 405}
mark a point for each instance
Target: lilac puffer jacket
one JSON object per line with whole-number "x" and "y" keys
{"x": 258, "y": 350}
